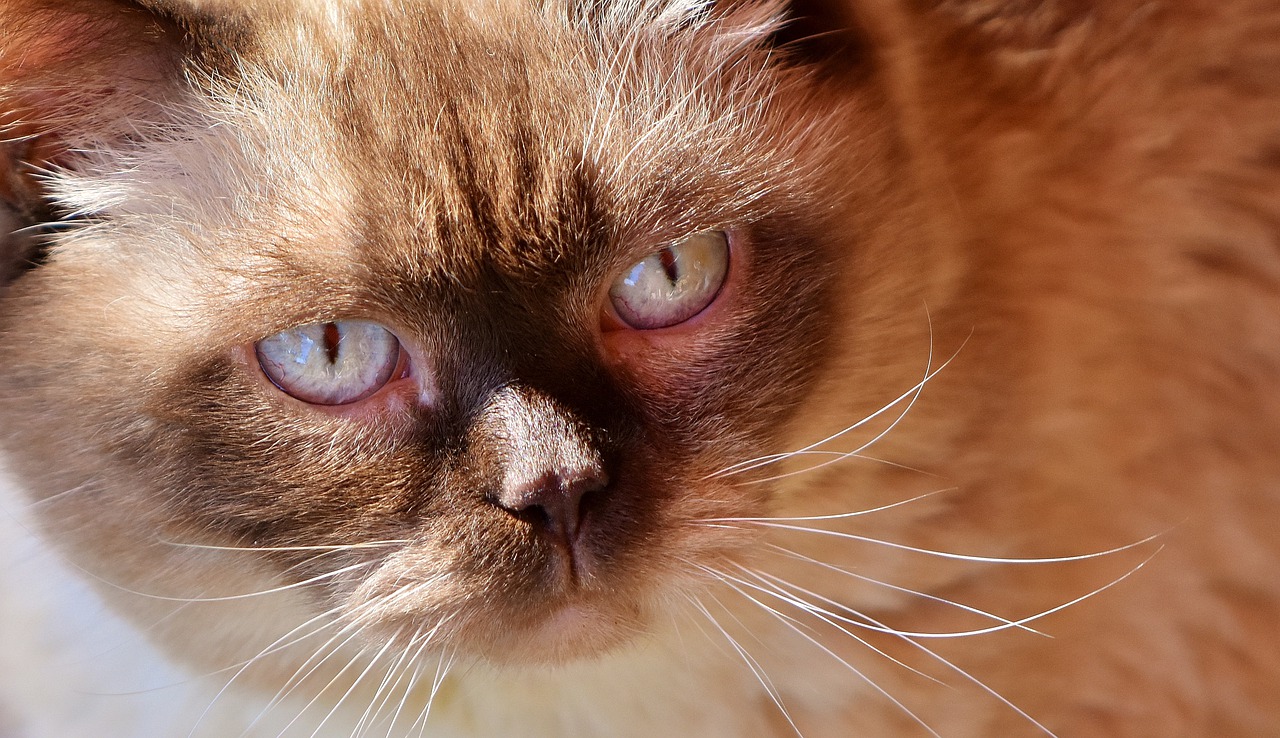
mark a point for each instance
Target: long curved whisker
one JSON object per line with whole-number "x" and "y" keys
{"x": 910, "y": 637}
{"x": 789, "y": 622}
{"x": 912, "y": 394}
{"x": 1005, "y": 624}
{"x": 264, "y": 592}
{"x": 867, "y": 444}
{"x": 274, "y": 647}
{"x": 829, "y": 618}
{"x": 955, "y": 556}
{"x": 373, "y": 662}
{"x": 442, "y": 670}
{"x": 412, "y": 683}
{"x": 754, "y": 666}
{"x": 870, "y": 580}
{"x": 46, "y": 501}
{"x": 978, "y": 682}
{"x": 382, "y": 695}
{"x": 225, "y": 598}
{"x": 355, "y": 627}
{"x": 834, "y": 457}
{"x": 276, "y": 549}
{"x": 743, "y": 467}
{"x": 413, "y": 656}
{"x": 790, "y": 590}
{"x": 316, "y": 698}
{"x": 351, "y": 629}
{"x": 302, "y": 673}
{"x": 837, "y": 516}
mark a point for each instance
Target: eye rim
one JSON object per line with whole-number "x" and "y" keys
{"x": 613, "y": 320}
{"x": 399, "y": 369}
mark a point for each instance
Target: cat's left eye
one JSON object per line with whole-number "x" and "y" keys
{"x": 673, "y": 285}
{"x": 335, "y": 363}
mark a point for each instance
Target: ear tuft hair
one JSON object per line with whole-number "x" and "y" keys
{"x": 80, "y": 73}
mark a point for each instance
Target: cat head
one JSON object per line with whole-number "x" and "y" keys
{"x": 449, "y": 315}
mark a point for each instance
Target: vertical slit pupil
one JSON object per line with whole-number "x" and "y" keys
{"x": 332, "y": 337}
{"x": 669, "y": 266}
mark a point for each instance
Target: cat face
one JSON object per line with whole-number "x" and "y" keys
{"x": 451, "y": 326}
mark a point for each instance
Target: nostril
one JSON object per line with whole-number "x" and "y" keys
{"x": 554, "y": 502}
{"x": 535, "y": 515}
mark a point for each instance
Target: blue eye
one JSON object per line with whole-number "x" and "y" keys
{"x": 673, "y": 285}
{"x": 334, "y": 363}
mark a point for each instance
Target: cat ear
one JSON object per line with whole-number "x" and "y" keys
{"x": 78, "y": 74}
{"x": 824, "y": 33}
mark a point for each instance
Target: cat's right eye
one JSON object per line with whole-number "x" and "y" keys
{"x": 335, "y": 363}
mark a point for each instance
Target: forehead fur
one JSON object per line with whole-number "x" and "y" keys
{"x": 482, "y": 118}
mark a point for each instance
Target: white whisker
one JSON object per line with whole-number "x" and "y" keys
{"x": 404, "y": 698}
{"x": 836, "y": 516}
{"x": 382, "y": 695}
{"x": 274, "y": 647}
{"x": 955, "y": 556}
{"x": 756, "y": 669}
{"x": 423, "y": 640}
{"x": 835, "y": 456}
{"x": 967, "y": 608}
{"x": 351, "y": 630}
{"x": 294, "y": 680}
{"x": 225, "y": 598}
{"x": 827, "y": 617}
{"x": 272, "y": 549}
{"x": 373, "y": 662}
{"x": 911, "y": 637}
{"x": 355, "y": 657}
{"x": 979, "y": 683}
{"x": 442, "y": 671}
{"x": 789, "y": 622}
{"x": 912, "y": 394}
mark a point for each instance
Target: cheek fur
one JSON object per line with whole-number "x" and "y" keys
{"x": 689, "y": 379}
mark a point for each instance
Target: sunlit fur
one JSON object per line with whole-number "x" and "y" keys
{"x": 985, "y": 442}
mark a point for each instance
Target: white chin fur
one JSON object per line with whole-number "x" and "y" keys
{"x": 70, "y": 668}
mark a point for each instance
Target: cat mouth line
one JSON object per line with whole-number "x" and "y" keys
{"x": 575, "y": 561}
{"x": 570, "y": 542}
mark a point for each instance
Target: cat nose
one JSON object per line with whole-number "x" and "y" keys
{"x": 554, "y": 503}
{"x": 549, "y": 471}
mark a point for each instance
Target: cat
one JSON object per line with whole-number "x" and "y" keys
{"x": 640, "y": 367}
